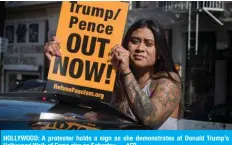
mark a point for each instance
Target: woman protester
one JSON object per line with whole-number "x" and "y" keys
{"x": 148, "y": 86}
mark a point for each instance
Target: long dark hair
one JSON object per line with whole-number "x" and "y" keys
{"x": 164, "y": 61}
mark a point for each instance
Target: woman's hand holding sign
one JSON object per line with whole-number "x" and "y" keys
{"x": 120, "y": 59}
{"x": 51, "y": 48}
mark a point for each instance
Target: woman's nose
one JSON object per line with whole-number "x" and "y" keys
{"x": 141, "y": 47}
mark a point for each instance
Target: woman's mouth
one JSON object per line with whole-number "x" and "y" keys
{"x": 138, "y": 57}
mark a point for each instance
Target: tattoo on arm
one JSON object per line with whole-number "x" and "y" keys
{"x": 140, "y": 102}
{"x": 154, "y": 109}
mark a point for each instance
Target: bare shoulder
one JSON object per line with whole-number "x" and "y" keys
{"x": 163, "y": 80}
{"x": 171, "y": 76}
{"x": 175, "y": 76}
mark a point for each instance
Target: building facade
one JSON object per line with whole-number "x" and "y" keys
{"x": 28, "y": 26}
{"x": 2, "y": 22}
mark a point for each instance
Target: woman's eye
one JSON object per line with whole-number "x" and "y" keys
{"x": 149, "y": 44}
{"x": 135, "y": 41}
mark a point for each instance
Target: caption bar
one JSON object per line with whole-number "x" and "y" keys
{"x": 118, "y": 137}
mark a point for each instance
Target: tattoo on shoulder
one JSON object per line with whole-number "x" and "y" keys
{"x": 168, "y": 93}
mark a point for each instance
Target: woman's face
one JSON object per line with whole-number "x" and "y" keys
{"x": 142, "y": 48}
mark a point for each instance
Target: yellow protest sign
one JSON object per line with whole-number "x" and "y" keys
{"x": 61, "y": 125}
{"x": 87, "y": 31}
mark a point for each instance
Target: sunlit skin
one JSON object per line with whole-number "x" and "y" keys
{"x": 142, "y": 49}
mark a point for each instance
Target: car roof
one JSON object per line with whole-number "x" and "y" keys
{"x": 33, "y": 103}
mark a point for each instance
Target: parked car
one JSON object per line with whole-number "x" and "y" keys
{"x": 26, "y": 111}
{"x": 34, "y": 85}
